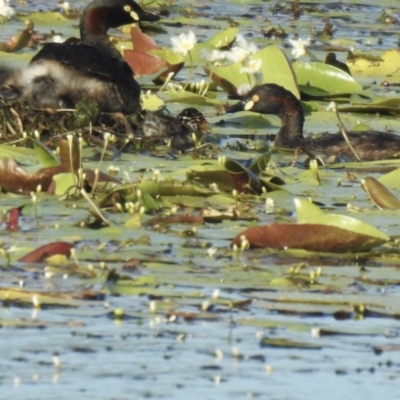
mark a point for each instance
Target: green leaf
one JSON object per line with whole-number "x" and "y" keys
{"x": 168, "y": 55}
{"x": 183, "y": 96}
{"x": 46, "y": 157}
{"x": 276, "y": 68}
{"x": 197, "y": 54}
{"x": 228, "y": 77}
{"x": 387, "y": 65}
{"x": 49, "y": 19}
{"x": 223, "y": 38}
{"x": 306, "y": 210}
{"x": 378, "y": 193}
{"x": 64, "y": 182}
{"x": 339, "y": 221}
{"x": 151, "y": 102}
{"x": 325, "y": 78}
{"x": 21, "y": 154}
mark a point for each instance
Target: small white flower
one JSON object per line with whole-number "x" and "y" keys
{"x": 241, "y": 42}
{"x": 183, "y": 43}
{"x": 174, "y": 86}
{"x": 243, "y": 89}
{"x": 66, "y": 7}
{"x": 58, "y": 39}
{"x": 237, "y": 54}
{"x": 299, "y": 47}
{"x": 331, "y": 106}
{"x": 5, "y": 10}
{"x": 252, "y": 67}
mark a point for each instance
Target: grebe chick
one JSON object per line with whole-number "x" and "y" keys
{"x": 274, "y": 99}
{"x": 178, "y": 129}
{"x": 62, "y": 74}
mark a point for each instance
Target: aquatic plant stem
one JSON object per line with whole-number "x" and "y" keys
{"x": 191, "y": 73}
{"x": 344, "y": 131}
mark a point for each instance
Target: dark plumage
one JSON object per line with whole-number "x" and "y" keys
{"x": 178, "y": 128}
{"x": 274, "y": 99}
{"x": 62, "y": 74}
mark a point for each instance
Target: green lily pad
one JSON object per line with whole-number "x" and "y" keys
{"x": 46, "y": 157}
{"x": 64, "y": 182}
{"x": 309, "y": 213}
{"x": 223, "y": 38}
{"x": 49, "y": 19}
{"x": 197, "y": 54}
{"x": 168, "y": 55}
{"x": 276, "y": 68}
{"x": 325, "y": 78}
{"x": 228, "y": 77}
{"x": 387, "y": 65}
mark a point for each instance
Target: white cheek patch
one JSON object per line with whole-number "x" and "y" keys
{"x": 249, "y": 105}
{"x": 134, "y": 16}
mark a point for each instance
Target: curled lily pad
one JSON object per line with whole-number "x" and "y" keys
{"x": 15, "y": 179}
{"x": 244, "y": 180}
{"x": 379, "y": 194}
{"x": 142, "y": 42}
{"x": 316, "y": 215}
{"x": 318, "y": 232}
{"x": 148, "y": 58}
{"x": 20, "y": 40}
{"x": 44, "y": 154}
{"x": 145, "y": 64}
{"x": 48, "y": 250}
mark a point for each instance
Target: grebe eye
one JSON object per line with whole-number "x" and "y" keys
{"x": 127, "y": 8}
{"x": 256, "y": 98}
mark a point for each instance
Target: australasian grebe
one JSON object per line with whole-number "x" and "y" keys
{"x": 62, "y": 74}
{"x": 274, "y": 99}
{"x": 178, "y": 129}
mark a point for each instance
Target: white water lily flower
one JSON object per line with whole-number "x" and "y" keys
{"x": 58, "y": 39}
{"x": 331, "y": 106}
{"x": 299, "y": 47}
{"x": 213, "y": 56}
{"x": 241, "y": 42}
{"x": 243, "y": 89}
{"x": 183, "y": 43}
{"x": 236, "y": 54}
{"x": 66, "y": 7}
{"x": 252, "y": 67}
{"x": 5, "y": 10}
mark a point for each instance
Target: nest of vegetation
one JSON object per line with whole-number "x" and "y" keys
{"x": 19, "y": 120}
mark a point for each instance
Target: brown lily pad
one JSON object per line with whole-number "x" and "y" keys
{"x": 143, "y": 63}
{"x": 311, "y": 237}
{"x": 379, "y": 194}
{"x": 15, "y": 179}
{"x": 20, "y": 40}
{"x": 41, "y": 253}
{"x": 142, "y": 42}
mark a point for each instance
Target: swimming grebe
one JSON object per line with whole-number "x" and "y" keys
{"x": 274, "y": 99}
{"x": 62, "y": 74}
